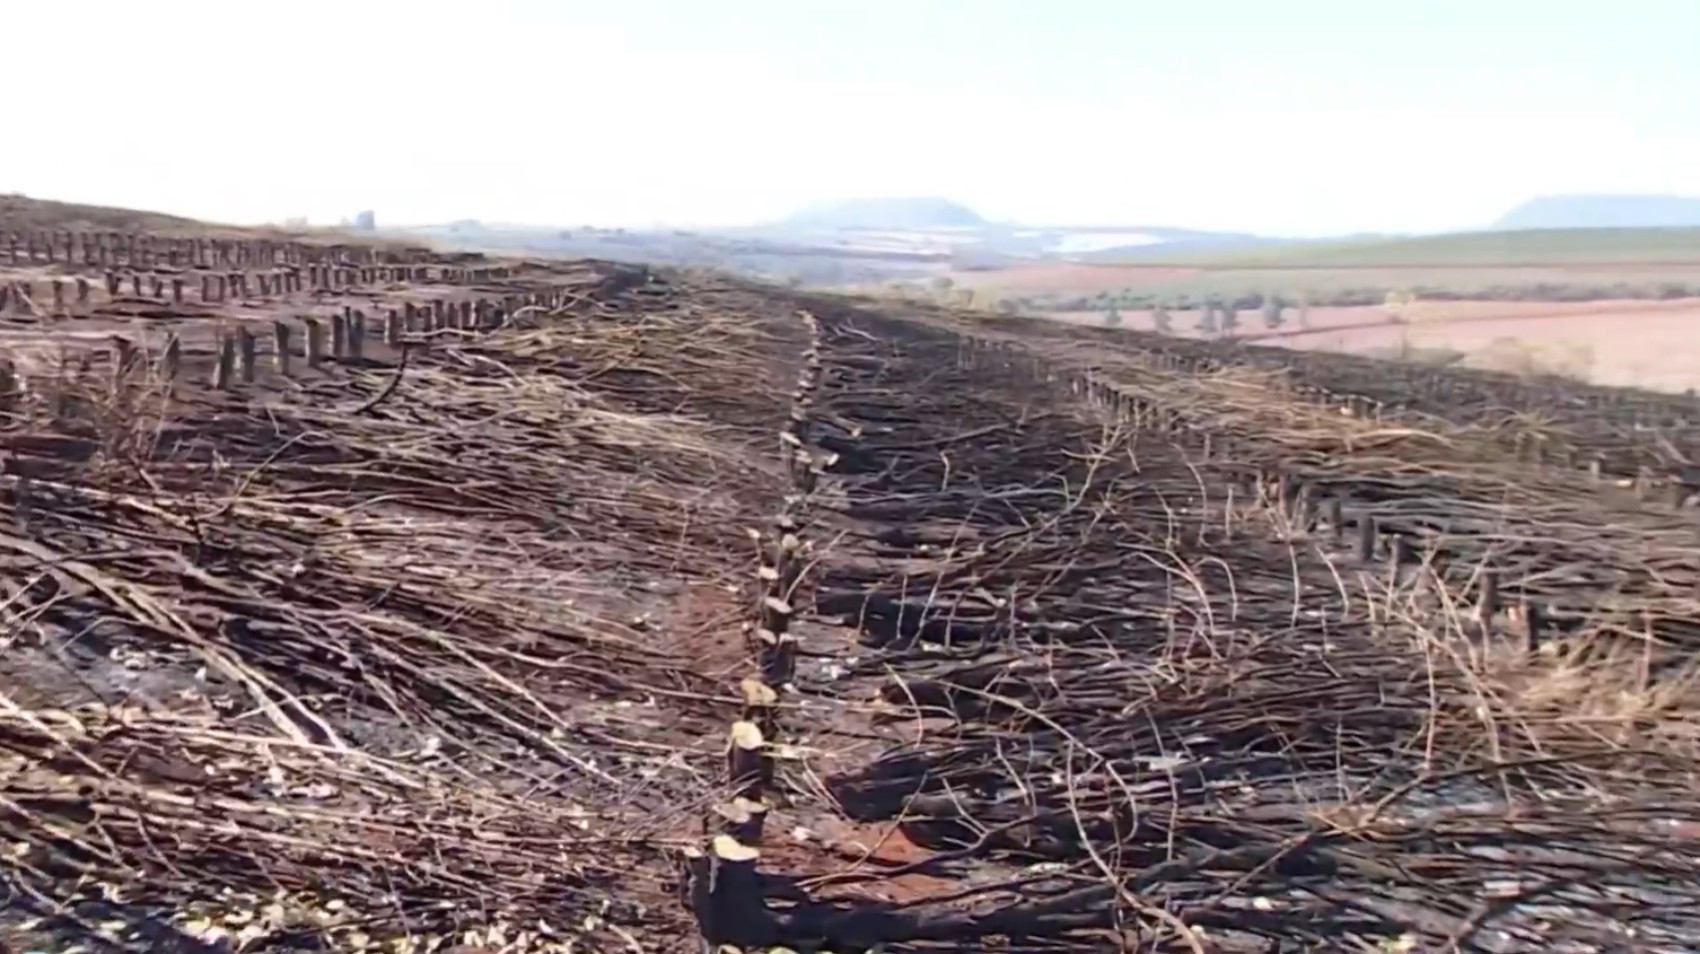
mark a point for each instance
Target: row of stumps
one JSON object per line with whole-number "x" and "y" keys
{"x": 24, "y": 296}
{"x": 1528, "y": 447}
{"x": 1303, "y": 505}
{"x": 1006, "y": 356}
{"x": 724, "y": 888}
{"x": 141, "y": 250}
{"x": 337, "y": 338}
{"x": 1308, "y": 509}
{"x": 1533, "y": 447}
{"x": 1402, "y": 556}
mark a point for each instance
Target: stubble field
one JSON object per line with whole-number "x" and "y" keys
{"x": 528, "y": 605}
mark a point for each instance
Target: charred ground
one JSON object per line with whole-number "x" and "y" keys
{"x": 1025, "y": 636}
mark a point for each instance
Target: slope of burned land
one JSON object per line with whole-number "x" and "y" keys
{"x": 401, "y": 626}
{"x": 584, "y": 608}
{"x": 27, "y": 217}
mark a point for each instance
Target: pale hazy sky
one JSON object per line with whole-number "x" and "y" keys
{"x": 1283, "y": 116}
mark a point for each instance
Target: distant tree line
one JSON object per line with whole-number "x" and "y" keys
{"x": 1224, "y": 314}
{"x": 1131, "y": 300}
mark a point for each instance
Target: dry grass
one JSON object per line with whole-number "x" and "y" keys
{"x": 1529, "y": 359}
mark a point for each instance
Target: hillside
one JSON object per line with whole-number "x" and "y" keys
{"x": 23, "y": 212}
{"x": 1603, "y": 212}
{"x": 373, "y": 598}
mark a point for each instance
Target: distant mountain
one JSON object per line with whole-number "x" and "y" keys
{"x": 895, "y": 213}
{"x": 1603, "y": 211}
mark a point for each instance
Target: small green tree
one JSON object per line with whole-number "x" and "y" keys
{"x": 1161, "y": 321}
{"x": 1112, "y": 318}
{"x": 1272, "y": 316}
{"x": 1230, "y": 319}
{"x": 1398, "y": 305}
{"x": 1207, "y": 319}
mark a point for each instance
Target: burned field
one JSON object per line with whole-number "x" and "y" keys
{"x": 370, "y": 597}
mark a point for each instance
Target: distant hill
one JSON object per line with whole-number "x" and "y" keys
{"x": 1603, "y": 211}
{"x": 895, "y": 213}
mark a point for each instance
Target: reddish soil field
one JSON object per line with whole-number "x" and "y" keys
{"x": 1648, "y": 344}
{"x": 1630, "y": 343}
